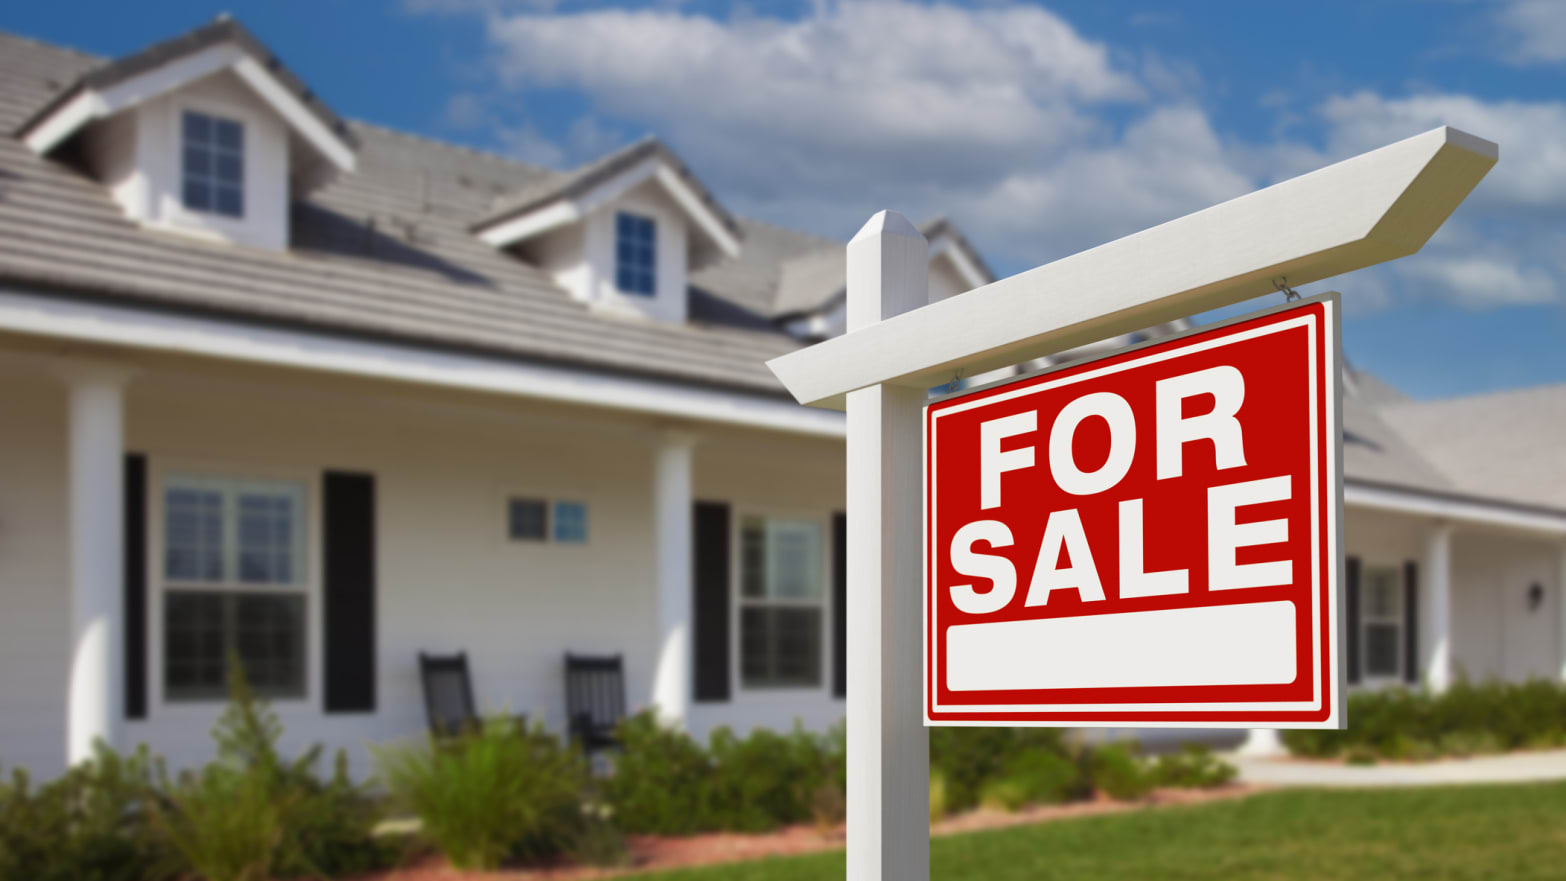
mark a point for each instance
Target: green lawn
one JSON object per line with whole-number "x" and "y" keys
{"x": 1478, "y": 832}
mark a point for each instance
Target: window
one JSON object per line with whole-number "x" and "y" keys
{"x": 780, "y": 604}
{"x": 539, "y": 520}
{"x": 571, "y": 521}
{"x": 636, "y": 254}
{"x": 234, "y": 585}
{"x": 1381, "y": 616}
{"x": 212, "y": 175}
{"x": 529, "y": 519}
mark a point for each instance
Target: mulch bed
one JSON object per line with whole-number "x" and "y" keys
{"x": 650, "y": 852}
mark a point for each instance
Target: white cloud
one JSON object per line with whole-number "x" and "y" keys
{"x": 885, "y": 90}
{"x": 1533, "y": 31}
{"x": 1167, "y": 164}
{"x": 1480, "y": 280}
{"x": 1038, "y": 140}
{"x": 464, "y": 110}
{"x": 1532, "y": 172}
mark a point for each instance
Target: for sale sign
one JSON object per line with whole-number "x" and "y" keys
{"x": 1146, "y": 539}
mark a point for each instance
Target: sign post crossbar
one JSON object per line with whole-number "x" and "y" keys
{"x": 1360, "y": 212}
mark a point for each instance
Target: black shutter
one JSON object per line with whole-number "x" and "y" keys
{"x": 1351, "y": 636}
{"x": 135, "y": 586}
{"x": 710, "y": 594}
{"x": 348, "y": 535}
{"x": 1410, "y": 622}
{"x": 839, "y": 604}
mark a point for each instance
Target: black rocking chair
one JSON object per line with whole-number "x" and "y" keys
{"x": 448, "y": 694}
{"x": 595, "y": 699}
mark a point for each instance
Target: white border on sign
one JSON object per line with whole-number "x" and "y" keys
{"x": 1332, "y": 514}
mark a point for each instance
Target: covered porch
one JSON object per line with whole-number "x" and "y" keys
{"x": 160, "y": 509}
{"x": 1442, "y": 587}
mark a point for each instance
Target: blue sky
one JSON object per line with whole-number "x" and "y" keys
{"x": 1041, "y": 129}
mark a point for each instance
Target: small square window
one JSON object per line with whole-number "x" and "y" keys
{"x": 571, "y": 521}
{"x": 529, "y": 519}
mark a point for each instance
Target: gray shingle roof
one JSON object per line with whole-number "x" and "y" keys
{"x": 809, "y": 281}
{"x": 385, "y": 251}
{"x": 220, "y": 30}
{"x": 544, "y": 190}
{"x": 1375, "y": 453}
{"x": 1507, "y": 445}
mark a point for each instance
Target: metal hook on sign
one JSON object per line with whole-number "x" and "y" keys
{"x": 956, "y": 378}
{"x": 1289, "y": 294}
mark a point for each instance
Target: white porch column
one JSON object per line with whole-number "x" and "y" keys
{"x": 1262, "y": 742}
{"x": 95, "y": 703}
{"x": 888, "y": 746}
{"x": 1437, "y": 608}
{"x": 671, "y": 689}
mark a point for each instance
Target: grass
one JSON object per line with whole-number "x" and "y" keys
{"x": 1507, "y": 833}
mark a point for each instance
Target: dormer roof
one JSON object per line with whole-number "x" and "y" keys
{"x": 554, "y": 202}
{"x": 223, "y": 44}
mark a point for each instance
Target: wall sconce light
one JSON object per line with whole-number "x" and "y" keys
{"x": 1535, "y": 596}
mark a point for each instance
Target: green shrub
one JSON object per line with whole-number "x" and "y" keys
{"x": 1003, "y": 794}
{"x": 1360, "y": 754}
{"x": 1120, "y": 773}
{"x": 1043, "y": 776}
{"x": 666, "y": 783}
{"x": 766, "y": 779}
{"x": 498, "y": 793}
{"x": 91, "y": 824}
{"x": 938, "y": 806}
{"x": 249, "y": 815}
{"x": 1192, "y": 767}
{"x": 662, "y": 780}
{"x": 1470, "y": 743}
{"x": 253, "y": 814}
{"x": 1466, "y": 719}
{"x": 969, "y": 758}
{"x": 597, "y": 841}
{"x": 228, "y": 824}
{"x": 829, "y": 805}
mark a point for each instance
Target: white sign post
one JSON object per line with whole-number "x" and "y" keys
{"x": 1366, "y": 210}
{"x": 889, "y": 795}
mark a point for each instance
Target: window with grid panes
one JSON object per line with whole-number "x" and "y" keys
{"x": 233, "y": 586}
{"x": 636, "y": 254}
{"x": 1381, "y": 622}
{"x": 781, "y": 605}
{"x": 212, "y": 167}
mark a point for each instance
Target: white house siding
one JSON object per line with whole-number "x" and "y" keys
{"x": 1496, "y": 634}
{"x": 759, "y": 474}
{"x": 448, "y": 578}
{"x": 137, "y": 155}
{"x": 34, "y": 611}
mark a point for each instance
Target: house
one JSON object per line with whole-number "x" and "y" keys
{"x": 325, "y": 396}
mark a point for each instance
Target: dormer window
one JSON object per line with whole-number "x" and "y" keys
{"x": 206, "y": 135}
{"x": 636, "y": 254}
{"x": 213, "y": 165}
{"x": 621, "y": 234}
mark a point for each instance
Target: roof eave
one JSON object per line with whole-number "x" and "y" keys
{"x": 159, "y": 69}
{"x": 574, "y": 199}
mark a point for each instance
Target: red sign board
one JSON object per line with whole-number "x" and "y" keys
{"x": 1146, "y": 539}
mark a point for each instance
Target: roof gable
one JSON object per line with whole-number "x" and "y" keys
{"x": 223, "y": 44}
{"x": 565, "y": 199}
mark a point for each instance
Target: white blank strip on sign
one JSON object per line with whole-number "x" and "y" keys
{"x": 1242, "y": 644}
